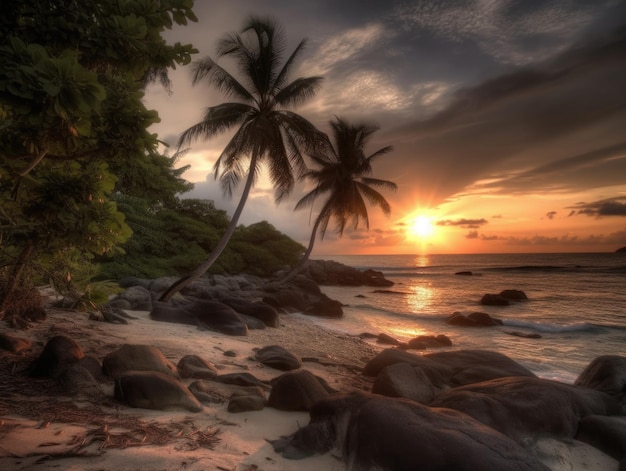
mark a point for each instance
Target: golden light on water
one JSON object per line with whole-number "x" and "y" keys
{"x": 420, "y": 298}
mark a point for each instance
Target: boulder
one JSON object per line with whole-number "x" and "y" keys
{"x": 137, "y": 358}
{"x": 77, "y": 381}
{"x": 606, "y": 373}
{"x": 455, "y": 368}
{"x": 297, "y": 391}
{"x": 252, "y": 323}
{"x": 607, "y": 434}
{"x": 386, "y": 339}
{"x": 329, "y": 272}
{"x": 410, "y": 382}
{"x": 212, "y": 392}
{"x": 514, "y": 294}
{"x": 241, "y": 379}
{"x": 193, "y": 366}
{"x": 494, "y": 300}
{"x": 325, "y": 307}
{"x": 59, "y": 353}
{"x": 278, "y": 357}
{"x": 154, "y": 390}
{"x": 474, "y": 319}
{"x": 211, "y": 315}
{"x": 524, "y": 407}
{"x": 422, "y": 342}
{"x": 245, "y": 404}
{"x": 137, "y": 298}
{"x": 375, "y": 432}
{"x": 14, "y": 344}
{"x": 259, "y": 310}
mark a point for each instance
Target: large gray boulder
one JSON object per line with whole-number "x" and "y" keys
{"x": 408, "y": 381}
{"x": 523, "y": 407}
{"x": 137, "y": 358}
{"x": 375, "y": 432}
{"x": 606, "y": 373}
{"x": 607, "y": 434}
{"x": 259, "y": 310}
{"x": 455, "y": 368}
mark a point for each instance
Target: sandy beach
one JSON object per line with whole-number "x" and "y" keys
{"x": 40, "y": 428}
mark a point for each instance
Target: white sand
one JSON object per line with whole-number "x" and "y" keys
{"x": 28, "y": 443}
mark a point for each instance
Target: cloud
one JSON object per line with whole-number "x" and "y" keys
{"x": 472, "y": 235}
{"x": 465, "y": 223}
{"x": 551, "y": 214}
{"x": 607, "y": 207}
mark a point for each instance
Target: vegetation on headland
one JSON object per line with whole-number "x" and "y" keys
{"x": 86, "y": 193}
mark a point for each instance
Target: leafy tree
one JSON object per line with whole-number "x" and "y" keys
{"x": 342, "y": 177}
{"x": 72, "y": 79}
{"x": 267, "y": 132}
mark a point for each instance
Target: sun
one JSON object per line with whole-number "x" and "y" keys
{"x": 421, "y": 227}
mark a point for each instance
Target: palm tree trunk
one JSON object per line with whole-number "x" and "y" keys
{"x": 8, "y": 293}
{"x": 298, "y": 268}
{"x": 221, "y": 245}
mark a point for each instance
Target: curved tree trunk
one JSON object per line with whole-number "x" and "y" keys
{"x": 8, "y": 293}
{"x": 221, "y": 245}
{"x": 298, "y": 268}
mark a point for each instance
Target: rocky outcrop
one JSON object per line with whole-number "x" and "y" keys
{"x": 503, "y": 298}
{"x": 606, "y": 373}
{"x": 375, "y": 432}
{"x": 196, "y": 367}
{"x": 523, "y": 407}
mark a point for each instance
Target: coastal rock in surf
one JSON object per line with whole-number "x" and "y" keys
{"x": 154, "y": 390}
{"x": 137, "y": 358}
{"x": 193, "y": 366}
{"x": 59, "y": 353}
{"x": 607, "y": 434}
{"x": 456, "y": 368}
{"x": 329, "y": 272}
{"x": 387, "y": 339}
{"x": 494, "y": 300}
{"x": 524, "y": 407}
{"x": 422, "y": 342}
{"x": 475, "y": 319}
{"x": 514, "y": 294}
{"x": 375, "y": 432}
{"x": 278, "y": 357}
{"x": 606, "y": 373}
{"x": 297, "y": 391}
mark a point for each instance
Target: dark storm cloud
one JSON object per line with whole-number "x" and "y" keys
{"x": 607, "y": 207}
{"x": 465, "y": 223}
{"x": 526, "y": 127}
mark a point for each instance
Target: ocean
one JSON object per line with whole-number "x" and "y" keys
{"x": 576, "y": 302}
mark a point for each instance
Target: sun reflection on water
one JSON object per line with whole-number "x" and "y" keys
{"x": 420, "y": 298}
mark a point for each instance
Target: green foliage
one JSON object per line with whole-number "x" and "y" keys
{"x": 72, "y": 118}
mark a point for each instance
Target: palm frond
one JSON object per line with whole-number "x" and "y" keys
{"x": 208, "y": 69}
{"x": 374, "y": 197}
{"x": 298, "y": 91}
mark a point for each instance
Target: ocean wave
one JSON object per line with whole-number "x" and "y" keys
{"x": 552, "y": 328}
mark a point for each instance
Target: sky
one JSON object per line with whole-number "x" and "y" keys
{"x": 507, "y": 118}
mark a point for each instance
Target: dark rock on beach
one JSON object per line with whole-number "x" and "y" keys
{"x": 278, "y": 357}
{"x": 607, "y": 434}
{"x": 59, "y": 353}
{"x": 606, "y": 373}
{"x": 14, "y": 344}
{"x": 523, "y": 407}
{"x": 137, "y": 358}
{"x": 297, "y": 391}
{"x": 455, "y": 368}
{"x": 154, "y": 390}
{"x": 212, "y": 392}
{"x": 194, "y": 366}
{"x": 408, "y": 381}
{"x": 503, "y": 298}
{"x": 375, "y": 432}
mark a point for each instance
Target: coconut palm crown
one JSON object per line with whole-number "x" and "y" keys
{"x": 342, "y": 175}
{"x": 267, "y": 132}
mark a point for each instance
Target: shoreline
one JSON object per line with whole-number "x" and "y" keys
{"x": 240, "y": 440}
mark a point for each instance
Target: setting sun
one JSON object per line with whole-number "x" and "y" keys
{"x": 421, "y": 227}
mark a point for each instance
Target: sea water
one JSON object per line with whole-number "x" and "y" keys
{"x": 576, "y": 303}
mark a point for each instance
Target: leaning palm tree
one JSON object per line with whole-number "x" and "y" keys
{"x": 267, "y": 132}
{"x": 342, "y": 176}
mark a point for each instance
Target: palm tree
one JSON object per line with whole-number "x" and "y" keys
{"x": 342, "y": 175}
{"x": 267, "y": 131}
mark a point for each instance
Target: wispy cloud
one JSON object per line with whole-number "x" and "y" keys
{"x": 607, "y": 207}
